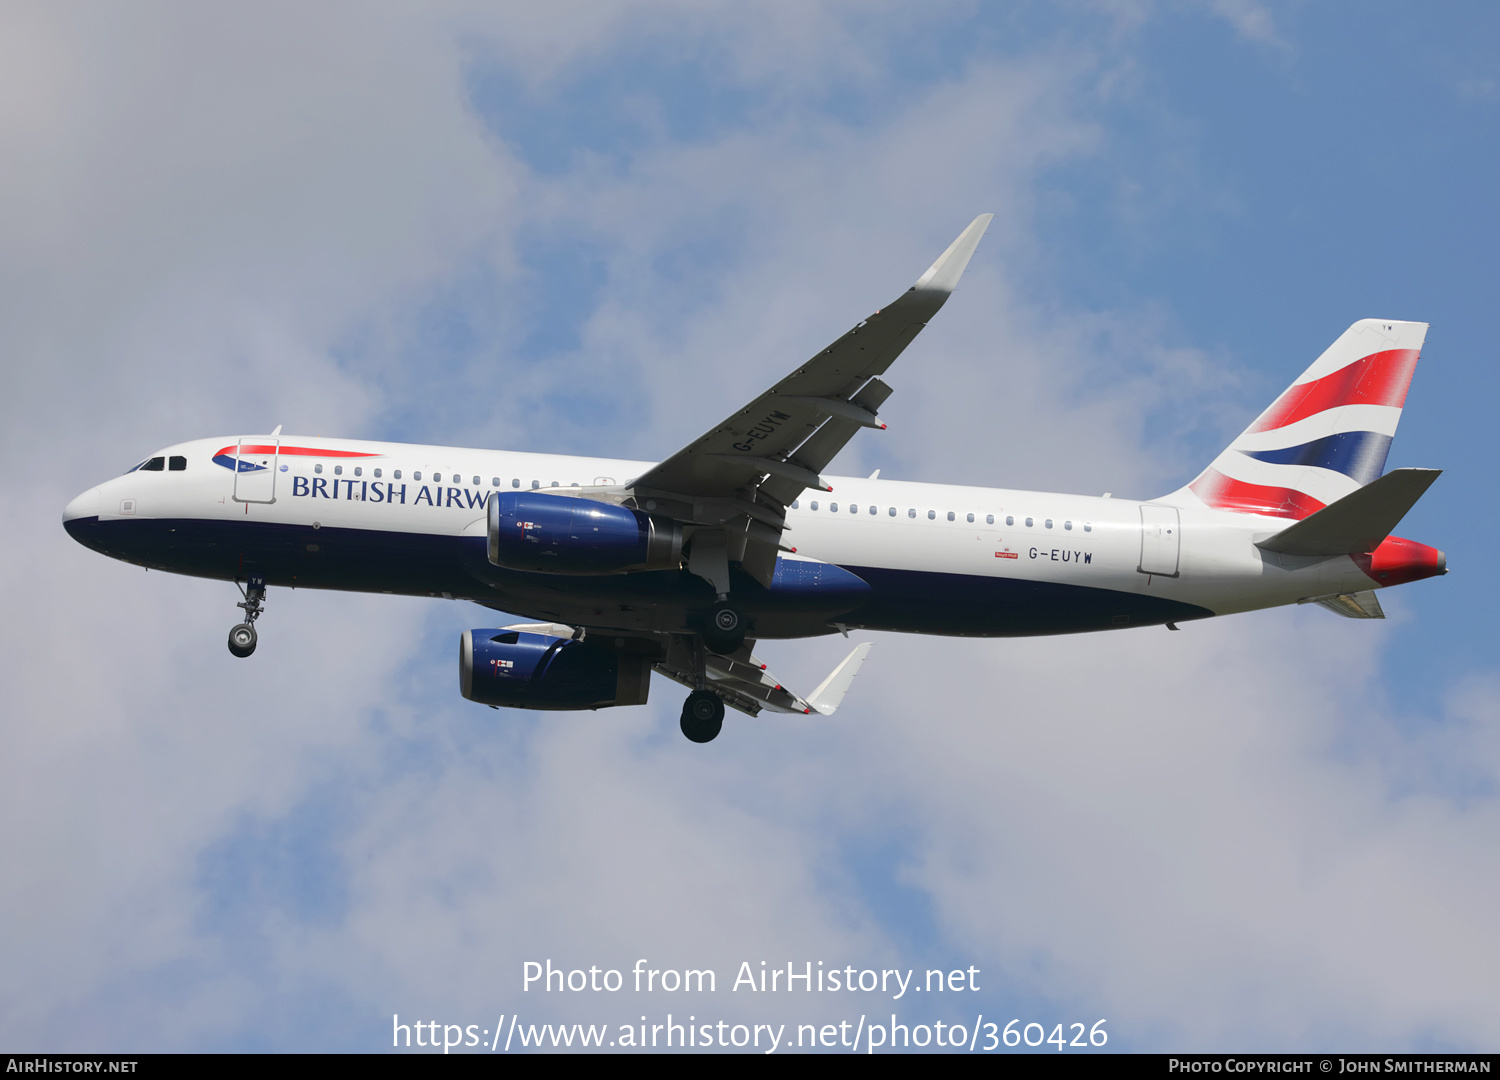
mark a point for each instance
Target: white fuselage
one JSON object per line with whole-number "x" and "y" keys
{"x": 354, "y": 514}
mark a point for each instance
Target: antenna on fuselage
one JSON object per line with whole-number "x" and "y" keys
{"x": 277, "y": 432}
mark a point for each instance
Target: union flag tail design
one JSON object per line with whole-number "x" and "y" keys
{"x": 1326, "y": 435}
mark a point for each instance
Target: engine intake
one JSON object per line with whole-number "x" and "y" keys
{"x": 560, "y": 534}
{"x": 519, "y": 669}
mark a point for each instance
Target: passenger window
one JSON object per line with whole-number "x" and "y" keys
{"x": 971, "y": 519}
{"x": 397, "y": 474}
{"x": 989, "y": 519}
{"x": 1067, "y": 525}
{"x": 318, "y": 468}
{"x": 377, "y": 474}
{"x": 358, "y": 471}
{"x": 437, "y": 478}
{"x": 338, "y": 470}
{"x": 833, "y": 508}
{"x": 932, "y": 515}
{"x": 555, "y": 484}
{"x": 853, "y": 508}
{"x": 950, "y": 515}
{"x": 417, "y": 475}
{"x": 1087, "y": 527}
{"x": 535, "y": 484}
{"x": 177, "y": 463}
{"x": 1029, "y": 523}
{"x": 893, "y": 511}
{"x": 476, "y": 481}
{"x": 1049, "y": 523}
{"x": 515, "y": 483}
{"x": 495, "y": 482}
{"x": 796, "y": 505}
{"x": 911, "y": 512}
{"x": 1010, "y": 519}
{"x": 814, "y": 504}
{"x": 873, "y": 508}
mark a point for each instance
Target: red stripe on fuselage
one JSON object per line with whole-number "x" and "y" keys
{"x": 305, "y": 451}
{"x": 1379, "y": 379}
{"x": 1225, "y": 493}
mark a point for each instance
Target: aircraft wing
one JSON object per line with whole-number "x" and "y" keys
{"x": 788, "y": 434}
{"x": 744, "y": 683}
{"x": 740, "y": 475}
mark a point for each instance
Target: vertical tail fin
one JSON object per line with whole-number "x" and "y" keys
{"x": 1325, "y": 436}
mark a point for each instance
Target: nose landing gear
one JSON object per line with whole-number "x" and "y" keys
{"x": 242, "y": 638}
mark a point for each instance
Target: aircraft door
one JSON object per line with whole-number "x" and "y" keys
{"x": 256, "y": 462}
{"x": 1160, "y": 540}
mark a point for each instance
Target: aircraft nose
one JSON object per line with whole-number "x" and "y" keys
{"x": 84, "y": 506}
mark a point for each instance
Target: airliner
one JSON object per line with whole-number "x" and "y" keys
{"x": 679, "y": 566}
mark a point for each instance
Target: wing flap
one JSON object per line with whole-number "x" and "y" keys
{"x": 745, "y": 683}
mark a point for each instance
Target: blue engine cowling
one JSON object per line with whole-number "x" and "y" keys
{"x": 560, "y": 534}
{"x": 520, "y": 669}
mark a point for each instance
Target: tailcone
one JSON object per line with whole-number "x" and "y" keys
{"x": 1397, "y": 561}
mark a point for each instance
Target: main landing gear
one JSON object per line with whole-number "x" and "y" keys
{"x": 242, "y": 638}
{"x": 703, "y": 711}
{"x": 726, "y": 627}
{"x": 702, "y": 716}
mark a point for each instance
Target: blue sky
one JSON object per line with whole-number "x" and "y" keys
{"x": 598, "y": 229}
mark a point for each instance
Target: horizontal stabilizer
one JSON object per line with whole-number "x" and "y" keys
{"x": 1359, "y": 521}
{"x": 1359, "y": 605}
{"x": 826, "y": 698}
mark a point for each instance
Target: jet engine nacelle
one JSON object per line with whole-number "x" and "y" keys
{"x": 560, "y": 534}
{"x": 519, "y": 669}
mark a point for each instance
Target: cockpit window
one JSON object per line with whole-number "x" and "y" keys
{"x": 177, "y": 463}
{"x": 153, "y": 464}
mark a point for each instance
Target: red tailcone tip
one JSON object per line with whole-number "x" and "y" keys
{"x": 1397, "y": 561}
{"x": 883, "y": 427}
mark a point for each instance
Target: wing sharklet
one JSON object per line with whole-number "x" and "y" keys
{"x": 942, "y": 276}
{"x": 827, "y": 697}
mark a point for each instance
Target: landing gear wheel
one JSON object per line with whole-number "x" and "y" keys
{"x": 242, "y": 640}
{"x": 725, "y": 631}
{"x": 702, "y": 716}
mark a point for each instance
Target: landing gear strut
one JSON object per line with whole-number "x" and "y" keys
{"x": 242, "y": 638}
{"x": 726, "y": 627}
{"x": 702, "y": 716}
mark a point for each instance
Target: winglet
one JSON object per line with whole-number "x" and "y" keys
{"x": 826, "y": 698}
{"x": 942, "y": 276}
{"x": 1359, "y": 521}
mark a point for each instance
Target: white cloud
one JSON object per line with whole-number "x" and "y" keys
{"x": 1251, "y": 20}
